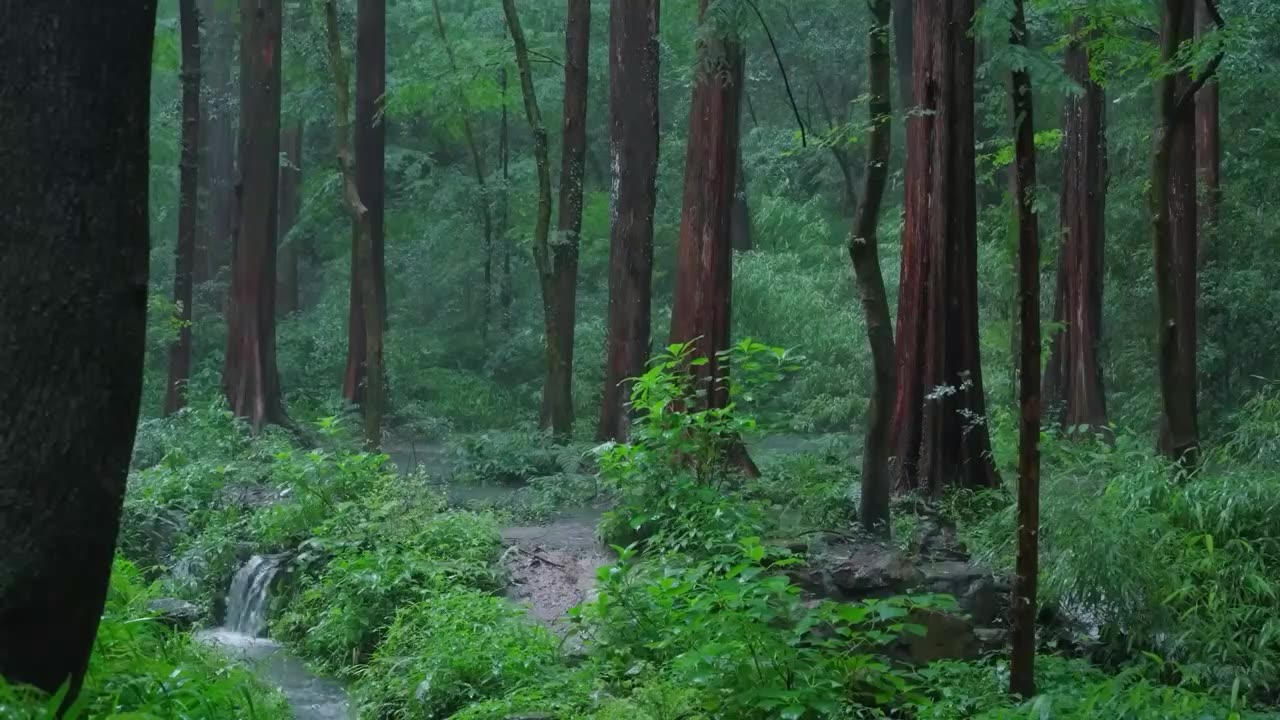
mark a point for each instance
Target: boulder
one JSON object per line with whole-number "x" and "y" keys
{"x": 177, "y": 614}
{"x": 857, "y": 572}
{"x": 935, "y": 539}
{"x": 974, "y": 588}
{"x": 946, "y": 637}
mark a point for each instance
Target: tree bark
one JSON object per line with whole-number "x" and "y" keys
{"x": 249, "y": 375}
{"x": 1174, "y": 231}
{"x": 542, "y": 254}
{"x": 940, "y": 431}
{"x": 364, "y": 248}
{"x": 217, "y": 142}
{"x": 1073, "y": 383}
{"x": 481, "y": 172}
{"x": 865, "y": 255}
{"x": 1209, "y": 170}
{"x": 704, "y": 257}
{"x": 290, "y": 209}
{"x": 1022, "y": 679}
{"x": 75, "y": 79}
{"x": 560, "y": 308}
{"x": 184, "y": 252}
{"x": 370, "y": 151}
{"x": 633, "y": 112}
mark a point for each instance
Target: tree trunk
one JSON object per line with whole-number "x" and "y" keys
{"x": 184, "y": 252}
{"x": 481, "y": 172}
{"x": 1073, "y": 386}
{"x": 249, "y": 375}
{"x": 1022, "y": 679}
{"x": 903, "y": 46}
{"x": 1174, "y": 225}
{"x": 76, "y": 81}
{"x": 217, "y": 142}
{"x": 1209, "y": 170}
{"x": 290, "y": 210}
{"x": 542, "y": 257}
{"x": 505, "y": 293}
{"x": 364, "y": 248}
{"x": 633, "y": 113}
{"x": 941, "y": 437}
{"x": 865, "y": 254}
{"x": 560, "y": 308}
{"x": 704, "y": 257}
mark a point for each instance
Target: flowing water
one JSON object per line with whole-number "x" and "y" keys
{"x": 311, "y": 696}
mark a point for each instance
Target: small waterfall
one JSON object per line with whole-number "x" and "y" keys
{"x": 247, "y": 601}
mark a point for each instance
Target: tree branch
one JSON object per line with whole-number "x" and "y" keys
{"x": 1210, "y": 71}
{"x": 804, "y": 142}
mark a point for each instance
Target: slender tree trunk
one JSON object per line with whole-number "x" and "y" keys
{"x": 217, "y": 141}
{"x": 1022, "y": 678}
{"x": 633, "y": 113}
{"x": 1174, "y": 223}
{"x": 75, "y": 79}
{"x": 1209, "y": 170}
{"x": 1073, "y": 385}
{"x": 904, "y": 49}
{"x": 249, "y": 375}
{"x": 184, "y": 252}
{"x": 941, "y": 437}
{"x": 865, "y": 254}
{"x": 290, "y": 209}
{"x": 505, "y": 293}
{"x": 704, "y": 257}
{"x": 560, "y": 307}
{"x": 477, "y": 163}
{"x": 542, "y": 253}
{"x": 362, "y": 219}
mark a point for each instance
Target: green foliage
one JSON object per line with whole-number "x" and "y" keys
{"x": 451, "y": 649}
{"x": 141, "y": 669}
{"x": 513, "y": 457}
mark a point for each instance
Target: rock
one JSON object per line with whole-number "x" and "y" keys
{"x": 992, "y": 639}
{"x": 935, "y": 539}
{"x": 177, "y": 614}
{"x": 946, "y": 637}
{"x": 973, "y": 587}
{"x": 857, "y": 572}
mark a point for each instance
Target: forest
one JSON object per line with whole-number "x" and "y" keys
{"x": 628, "y": 360}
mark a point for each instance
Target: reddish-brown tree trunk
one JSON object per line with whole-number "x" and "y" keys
{"x": 370, "y": 151}
{"x": 560, "y": 308}
{"x": 75, "y": 79}
{"x": 1073, "y": 385}
{"x": 364, "y": 249}
{"x": 941, "y": 437}
{"x": 633, "y": 113}
{"x": 1209, "y": 170}
{"x": 1174, "y": 222}
{"x": 249, "y": 374}
{"x": 217, "y": 142}
{"x": 1022, "y": 614}
{"x": 704, "y": 256}
{"x": 184, "y": 252}
{"x": 290, "y": 208}
{"x": 865, "y": 254}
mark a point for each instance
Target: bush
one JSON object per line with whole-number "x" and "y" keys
{"x": 513, "y": 457}
{"x": 452, "y": 649}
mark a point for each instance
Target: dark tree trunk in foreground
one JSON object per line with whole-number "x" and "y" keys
{"x": 941, "y": 436}
{"x": 184, "y": 252}
{"x": 481, "y": 172}
{"x": 370, "y": 151}
{"x": 365, "y": 249}
{"x": 904, "y": 49}
{"x": 1022, "y": 658}
{"x": 75, "y": 79}
{"x": 560, "y": 307}
{"x": 1174, "y": 231}
{"x": 1073, "y": 386}
{"x": 217, "y": 141}
{"x": 542, "y": 258}
{"x": 633, "y": 113}
{"x": 249, "y": 375}
{"x": 865, "y": 254}
{"x": 704, "y": 257}
{"x": 290, "y": 208}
